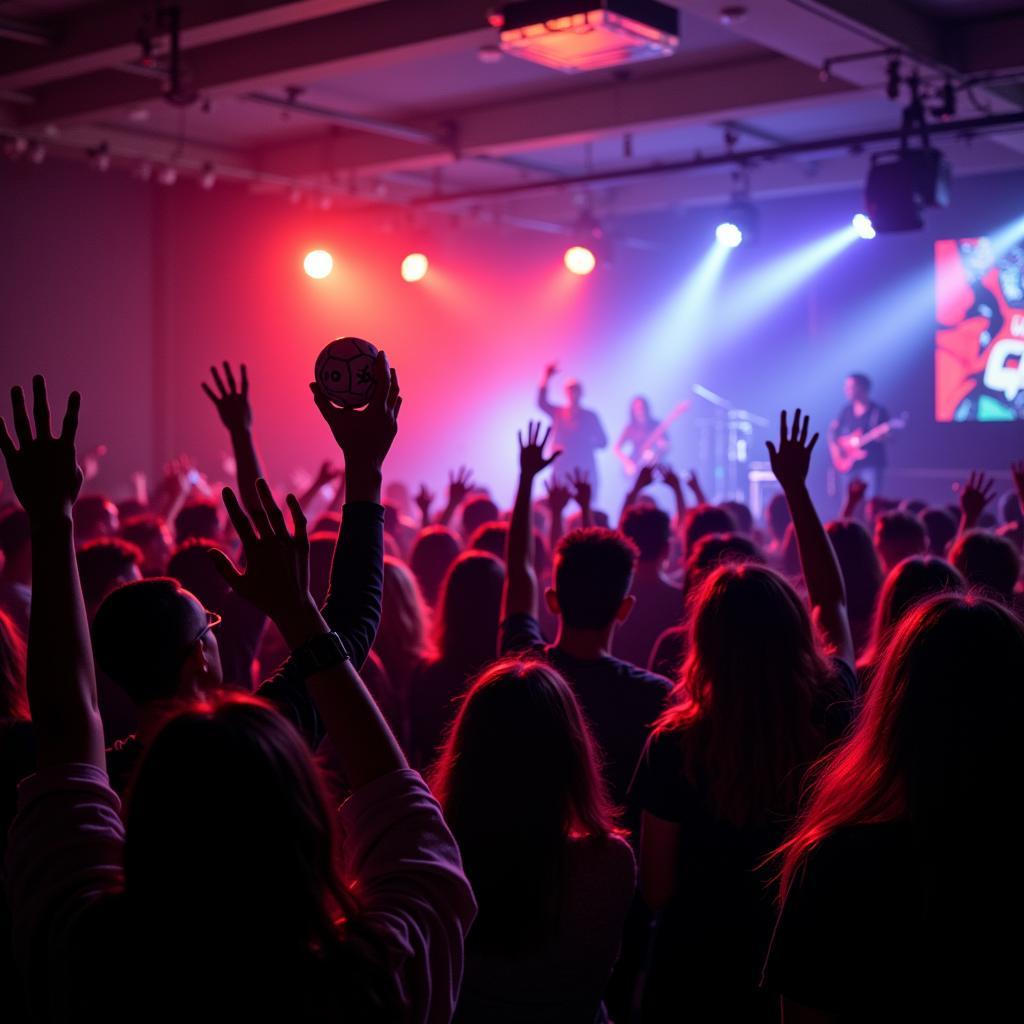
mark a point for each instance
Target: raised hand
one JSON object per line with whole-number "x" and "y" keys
{"x": 644, "y": 479}
{"x": 694, "y": 484}
{"x": 231, "y": 401}
{"x": 855, "y": 491}
{"x": 44, "y": 469}
{"x": 276, "y": 577}
{"x": 365, "y": 435}
{"x": 792, "y": 458}
{"x": 459, "y": 486}
{"x": 549, "y": 371}
{"x": 581, "y": 488}
{"x": 670, "y": 477}
{"x": 531, "y": 454}
{"x": 327, "y": 474}
{"x": 974, "y": 496}
{"x": 424, "y": 499}
{"x": 91, "y": 461}
{"x": 558, "y": 495}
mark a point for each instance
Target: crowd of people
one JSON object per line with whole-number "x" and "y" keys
{"x": 343, "y": 756}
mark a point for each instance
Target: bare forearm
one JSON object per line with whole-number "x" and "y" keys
{"x": 520, "y": 585}
{"x": 817, "y": 558}
{"x": 247, "y": 468}
{"x": 60, "y": 679}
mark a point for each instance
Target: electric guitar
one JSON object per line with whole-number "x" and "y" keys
{"x": 849, "y": 449}
{"x": 655, "y": 444}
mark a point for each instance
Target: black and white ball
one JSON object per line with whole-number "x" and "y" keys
{"x": 344, "y": 369}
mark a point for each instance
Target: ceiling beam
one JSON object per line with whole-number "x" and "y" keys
{"x": 285, "y": 55}
{"x": 571, "y": 115}
{"x": 95, "y": 38}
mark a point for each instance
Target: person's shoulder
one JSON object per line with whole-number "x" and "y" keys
{"x": 611, "y": 856}
{"x": 641, "y": 677}
{"x": 856, "y": 851}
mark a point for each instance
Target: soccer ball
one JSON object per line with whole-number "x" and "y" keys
{"x": 345, "y": 371}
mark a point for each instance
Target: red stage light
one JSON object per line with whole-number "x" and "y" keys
{"x": 579, "y": 260}
{"x": 318, "y": 263}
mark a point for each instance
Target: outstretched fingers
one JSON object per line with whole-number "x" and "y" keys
{"x": 225, "y": 567}
{"x": 21, "y": 424}
{"x": 69, "y": 426}
{"x": 239, "y": 520}
{"x": 298, "y": 520}
{"x": 40, "y": 407}
{"x": 221, "y": 390}
{"x": 272, "y": 511}
{"x": 232, "y": 388}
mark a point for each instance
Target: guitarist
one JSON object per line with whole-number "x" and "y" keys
{"x": 640, "y": 443}
{"x": 859, "y": 415}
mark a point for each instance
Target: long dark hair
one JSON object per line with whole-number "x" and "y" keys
{"x": 862, "y": 574}
{"x": 469, "y": 610}
{"x": 936, "y": 743}
{"x": 519, "y": 778}
{"x": 913, "y": 580}
{"x": 232, "y": 843}
{"x": 745, "y": 699}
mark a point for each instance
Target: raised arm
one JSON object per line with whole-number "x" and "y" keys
{"x": 459, "y": 486}
{"x": 672, "y": 481}
{"x": 61, "y": 681}
{"x": 520, "y": 582}
{"x": 276, "y": 580}
{"x": 543, "y": 402}
{"x": 365, "y": 436}
{"x": 327, "y": 474}
{"x": 232, "y": 405}
{"x": 583, "y": 493}
{"x": 424, "y": 499}
{"x": 643, "y": 480}
{"x": 558, "y": 498}
{"x": 855, "y": 491}
{"x": 825, "y": 589}
{"x": 974, "y": 496}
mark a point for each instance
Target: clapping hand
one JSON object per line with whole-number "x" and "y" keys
{"x": 531, "y": 454}
{"x": 792, "y": 458}
{"x": 231, "y": 403}
{"x": 44, "y": 469}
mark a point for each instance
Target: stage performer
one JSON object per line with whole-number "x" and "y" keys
{"x": 860, "y": 417}
{"x": 577, "y": 431}
{"x": 643, "y": 436}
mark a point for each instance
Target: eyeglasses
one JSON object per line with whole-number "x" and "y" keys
{"x": 212, "y": 621}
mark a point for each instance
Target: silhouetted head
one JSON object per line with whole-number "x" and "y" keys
{"x": 152, "y": 536}
{"x": 941, "y": 528}
{"x": 936, "y": 744}
{"x": 477, "y": 511}
{"x": 231, "y": 860}
{"x": 519, "y": 776}
{"x": 912, "y": 581}
{"x": 862, "y": 572}
{"x": 989, "y": 562}
{"x": 13, "y": 698}
{"x": 192, "y": 566}
{"x": 155, "y": 640}
{"x": 95, "y": 516}
{"x": 433, "y": 553}
{"x": 573, "y": 392}
{"x": 469, "y": 611}
{"x": 899, "y": 535}
{"x": 741, "y": 516}
{"x": 404, "y": 621}
{"x": 713, "y": 551}
{"x": 649, "y": 528}
{"x": 704, "y": 520}
{"x": 200, "y": 518}
{"x": 106, "y": 563}
{"x": 592, "y": 578}
{"x": 746, "y": 691}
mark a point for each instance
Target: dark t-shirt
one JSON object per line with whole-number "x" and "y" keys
{"x": 659, "y": 606}
{"x": 848, "y": 421}
{"x": 879, "y": 925}
{"x": 712, "y": 938}
{"x": 578, "y": 432}
{"x": 620, "y": 701}
{"x": 434, "y": 693}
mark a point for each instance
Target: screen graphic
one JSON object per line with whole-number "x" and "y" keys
{"x": 979, "y": 335}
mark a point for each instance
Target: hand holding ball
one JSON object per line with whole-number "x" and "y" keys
{"x": 344, "y": 369}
